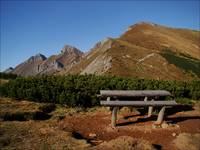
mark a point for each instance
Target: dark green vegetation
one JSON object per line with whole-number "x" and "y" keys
{"x": 7, "y": 76}
{"x": 81, "y": 90}
{"x": 183, "y": 61}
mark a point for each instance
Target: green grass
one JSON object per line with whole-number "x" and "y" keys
{"x": 185, "y": 101}
{"x": 182, "y": 61}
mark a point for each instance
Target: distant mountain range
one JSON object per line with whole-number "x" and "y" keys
{"x": 39, "y": 64}
{"x": 145, "y": 50}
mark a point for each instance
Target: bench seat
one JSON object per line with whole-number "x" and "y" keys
{"x": 136, "y": 98}
{"x": 133, "y": 93}
{"x": 138, "y": 103}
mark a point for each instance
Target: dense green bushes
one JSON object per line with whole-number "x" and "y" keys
{"x": 7, "y": 76}
{"x": 81, "y": 90}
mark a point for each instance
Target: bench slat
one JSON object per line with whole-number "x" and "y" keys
{"x": 138, "y": 103}
{"x": 132, "y": 93}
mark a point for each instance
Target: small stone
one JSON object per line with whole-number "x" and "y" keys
{"x": 155, "y": 126}
{"x": 96, "y": 141}
{"x": 92, "y": 135}
{"x": 164, "y": 125}
{"x": 173, "y": 134}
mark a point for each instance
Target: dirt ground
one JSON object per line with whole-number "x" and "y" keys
{"x": 75, "y": 128}
{"x": 134, "y": 125}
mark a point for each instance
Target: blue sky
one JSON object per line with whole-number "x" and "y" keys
{"x": 31, "y": 27}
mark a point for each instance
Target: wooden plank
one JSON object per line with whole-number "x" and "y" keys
{"x": 138, "y": 103}
{"x": 133, "y": 93}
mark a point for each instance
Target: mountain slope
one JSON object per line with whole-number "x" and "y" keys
{"x": 142, "y": 51}
{"x": 157, "y": 37}
{"x": 93, "y": 62}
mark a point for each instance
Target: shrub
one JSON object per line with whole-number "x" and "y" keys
{"x": 81, "y": 90}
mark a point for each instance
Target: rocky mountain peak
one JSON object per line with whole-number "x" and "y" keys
{"x": 40, "y": 56}
{"x": 149, "y": 24}
{"x": 103, "y": 44}
{"x": 68, "y": 49}
{"x": 146, "y": 23}
{"x": 37, "y": 57}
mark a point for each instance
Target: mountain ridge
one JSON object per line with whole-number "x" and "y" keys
{"x": 140, "y": 52}
{"x": 39, "y": 64}
{"x": 144, "y": 50}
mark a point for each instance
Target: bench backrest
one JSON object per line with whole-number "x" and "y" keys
{"x": 133, "y": 93}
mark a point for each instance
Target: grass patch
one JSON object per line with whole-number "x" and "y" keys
{"x": 12, "y": 110}
{"x": 4, "y": 141}
{"x": 183, "y": 61}
{"x": 3, "y": 81}
{"x": 185, "y": 101}
{"x": 187, "y": 141}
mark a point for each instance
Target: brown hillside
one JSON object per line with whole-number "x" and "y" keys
{"x": 141, "y": 52}
{"x": 156, "y": 37}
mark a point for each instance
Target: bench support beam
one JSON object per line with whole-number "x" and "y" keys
{"x": 160, "y": 116}
{"x": 114, "y": 116}
{"x": 150, "y": 111}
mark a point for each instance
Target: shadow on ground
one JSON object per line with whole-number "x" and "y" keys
{"x": 178, "y": 108}
{"x": 181, "y": 119}
{"x": 168, "y": 112}
{"x": 139, "y": 120}
{"x": 24, "y": 116}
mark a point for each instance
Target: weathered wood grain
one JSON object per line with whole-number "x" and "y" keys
{"x": 133, "y": 93}
{"x": 138, "y": 103}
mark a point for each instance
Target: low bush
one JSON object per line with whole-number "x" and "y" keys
{"x": 82, "y": 90}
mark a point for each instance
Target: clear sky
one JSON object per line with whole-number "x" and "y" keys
{"x": 31, "y": 27}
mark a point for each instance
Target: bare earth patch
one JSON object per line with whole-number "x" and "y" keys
{"x": 75, "y": 128}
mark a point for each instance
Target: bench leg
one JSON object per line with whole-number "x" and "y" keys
{"x": 108, "y": 99}
{"x": 114, "y": 116}
{"x": 161, "y": 115}
{"x": 150, "y": 111}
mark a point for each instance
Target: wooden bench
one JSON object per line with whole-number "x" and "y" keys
{"x": 150, "y": 98}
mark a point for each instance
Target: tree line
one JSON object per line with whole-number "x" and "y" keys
{"x": 82, "y": 90}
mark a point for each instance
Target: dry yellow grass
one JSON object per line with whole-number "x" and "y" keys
{"x": 125, "y": 143}
{"x": 3, "y": 81}
{"x": 187, "y": 141}
{"x": 46, "y": 134}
